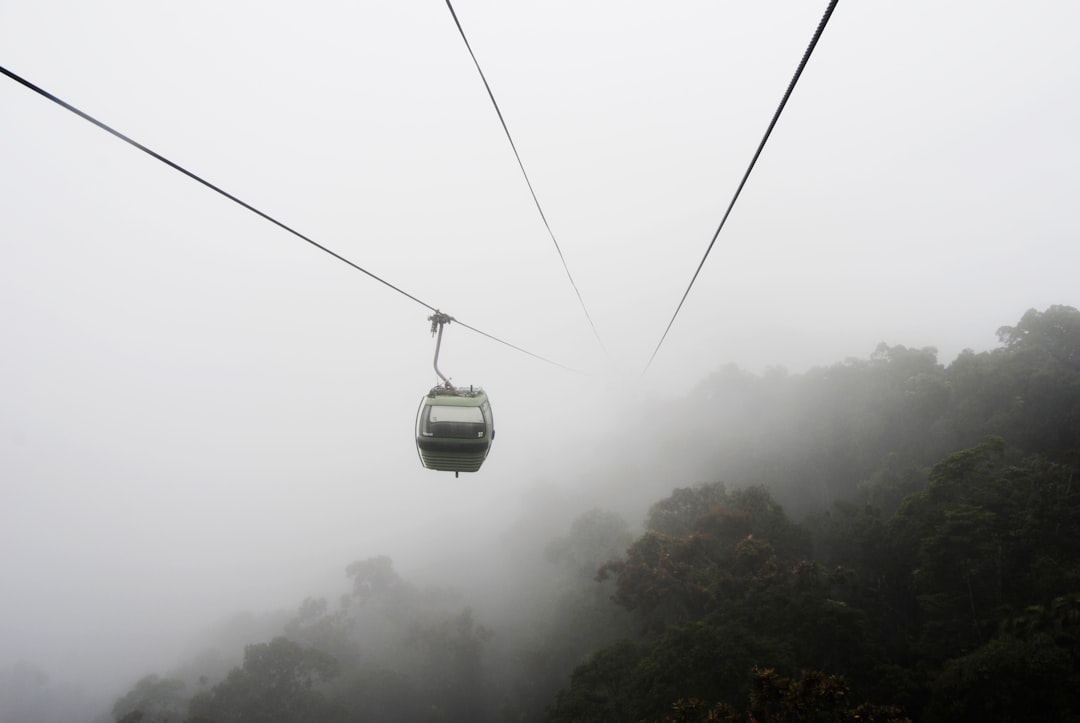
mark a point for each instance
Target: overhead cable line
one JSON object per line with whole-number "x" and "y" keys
{"x": 761, "y": 146}
{"x": 87, "y": 117}
{"x": 528, "y": 183}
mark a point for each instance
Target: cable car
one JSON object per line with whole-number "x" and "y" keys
{"x": 454, "y": 426}
{"x": 454, "y": 429}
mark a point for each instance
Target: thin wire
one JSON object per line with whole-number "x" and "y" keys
{"x": 521, "y": 165}
{"x": 204, "y": 182}
{"x": 87, "y": 117}
{"x": 761, "y": 146}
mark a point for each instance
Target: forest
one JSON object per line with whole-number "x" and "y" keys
{"x": 884, "y": 539}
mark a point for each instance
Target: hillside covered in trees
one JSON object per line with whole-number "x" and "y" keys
{"x": 881, "y": 540}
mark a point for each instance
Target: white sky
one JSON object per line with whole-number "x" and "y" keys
{"x": 200, "y": 412}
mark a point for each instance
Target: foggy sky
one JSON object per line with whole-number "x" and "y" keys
{"x": 200, "y": 413}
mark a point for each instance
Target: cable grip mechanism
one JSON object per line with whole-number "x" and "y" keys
{"x": 438, "y": 321}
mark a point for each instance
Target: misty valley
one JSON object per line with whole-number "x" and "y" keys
{"x": 883, "y": 539}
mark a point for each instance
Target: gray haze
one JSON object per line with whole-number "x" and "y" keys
{"x": 201, "y": 414}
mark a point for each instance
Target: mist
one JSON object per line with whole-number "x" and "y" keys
{"x": 204, "y": 420}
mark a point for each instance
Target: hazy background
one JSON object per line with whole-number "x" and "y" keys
{"x": 200, "y": 413}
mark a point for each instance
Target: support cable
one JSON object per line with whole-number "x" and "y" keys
{"x": 528, "y": 183}
{"x": 87, "y": 117}
{"x": 761, "y": 146}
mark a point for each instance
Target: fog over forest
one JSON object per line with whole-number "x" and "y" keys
{"x": 207, "y": 424}
{"x": 488, "y": 612}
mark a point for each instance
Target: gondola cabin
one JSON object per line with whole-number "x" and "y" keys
{"x": 454, "y": 429}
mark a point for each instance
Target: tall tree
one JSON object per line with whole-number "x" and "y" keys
{"x": 153, "y": 700}
{"x": 279, "y": 682}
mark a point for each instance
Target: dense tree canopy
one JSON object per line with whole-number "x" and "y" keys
{"x": 276, "y": 684}
{"x": 896, "y": 540}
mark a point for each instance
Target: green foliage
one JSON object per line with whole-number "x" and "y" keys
{"x": 1009, "y": 679}
{"x": 862, "y": 430}
{"x": 677, "y": 515}
{"x": 1028, "y": 391}
{"x": 666, "y": 580}
{"x": 153, "y": 700}
{"x": 890, "y": 483}
{"x": 599, "y": 691}
{"x": 700, "y": 508}
{"x": 769, "y": 521}
{"x": 399, "y": 652}
{"x": 562, "y": 618}
{"x": 450, "y": 664}
{"x": 373, "y": 578}
{"x": 704, "y": 660}
{"x": 1054, "y": 334}
{"x": 718, "y": 600}
{"x": 984, "y": 538}
{"x": 938, "y": 569}
{"x": 371, "y": 693}
{"x": 594, "y": 538}
{"x": 278, "y": 683}
{"x": 317, "y": 626}
{"x": 987, "y": 535}
{"x": 814, "y": 696}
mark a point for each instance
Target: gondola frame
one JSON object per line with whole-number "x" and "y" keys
{"x": 447, "y": 450}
